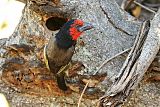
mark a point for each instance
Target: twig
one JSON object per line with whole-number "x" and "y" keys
{"x": 107, "y": 60}
{"x": 150, "y": 10}
{"x": 135, "y": 2}
{"x": 156, "y": 68}
{"x": 79, "y": 101}
{"x": 152, "y": 5}
{"x": 123, "y": 4}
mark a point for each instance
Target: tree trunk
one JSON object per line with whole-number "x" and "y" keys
{"x": 22, "y": 63}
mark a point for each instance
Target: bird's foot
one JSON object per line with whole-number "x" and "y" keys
{"x": 78, "y": 82}
{"x": 74, "y": 68}
{"x": 71, "y": 68}
{"x": 64, "y": 68}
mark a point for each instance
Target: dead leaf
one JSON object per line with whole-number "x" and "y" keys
{"x": 136, "y": 11}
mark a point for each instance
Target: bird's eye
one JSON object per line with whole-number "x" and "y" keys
{"x": 78, "y": 26}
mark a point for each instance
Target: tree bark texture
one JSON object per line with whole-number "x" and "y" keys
{"x": 138, "y": 61}
{"x": 115, "y": 31}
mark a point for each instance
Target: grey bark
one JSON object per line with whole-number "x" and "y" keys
{"x": 136, "y": 64}
{"x": 115, "y": 31}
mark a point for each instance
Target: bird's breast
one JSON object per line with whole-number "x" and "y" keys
{"x": 58, "y": 57}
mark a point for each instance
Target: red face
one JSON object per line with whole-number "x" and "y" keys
{"x": 70, "y": 32}
{"x": 74, "y": 32}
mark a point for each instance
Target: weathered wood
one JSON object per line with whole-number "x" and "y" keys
{"x": 136, "y": 64}
{"x": 115, "y": 31}
{"x": 113, "y": 28}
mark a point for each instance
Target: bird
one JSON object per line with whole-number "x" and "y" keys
{"x": 61, "y": 47}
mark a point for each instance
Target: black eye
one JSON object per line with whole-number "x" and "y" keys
{"x": 78, "y": 28}
{"x": 80, "y": 25}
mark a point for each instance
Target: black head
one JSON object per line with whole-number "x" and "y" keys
{"x": 69, "y": 33}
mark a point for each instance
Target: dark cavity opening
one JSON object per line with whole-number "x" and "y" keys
{"x": 55, "y": 23}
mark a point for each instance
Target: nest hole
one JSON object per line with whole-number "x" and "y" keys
{"x": 55, "y": 23}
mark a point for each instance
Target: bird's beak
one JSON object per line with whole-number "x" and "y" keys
{"x": 86, "y": 26}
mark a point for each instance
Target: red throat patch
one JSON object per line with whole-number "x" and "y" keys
{"x": 74, "y": 33}
{"x": 73, "y": 30}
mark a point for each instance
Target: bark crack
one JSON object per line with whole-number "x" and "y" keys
{"x": 111, "y": 22}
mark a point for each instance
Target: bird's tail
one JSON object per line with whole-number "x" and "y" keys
{"x": 61, "y": 82}
{"x": 60, "y": 77}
